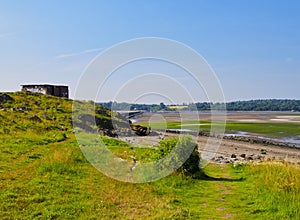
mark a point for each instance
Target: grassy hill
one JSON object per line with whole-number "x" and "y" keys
{"x": 44, "y": 175}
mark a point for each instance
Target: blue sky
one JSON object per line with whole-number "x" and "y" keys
{"x": 253, "y": 46}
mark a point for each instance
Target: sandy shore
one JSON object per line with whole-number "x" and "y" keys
{"x": 228, "y": 150}
{"x": 250, "y": 151}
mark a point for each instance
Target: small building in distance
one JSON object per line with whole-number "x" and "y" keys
{"x": 55, "y": 90}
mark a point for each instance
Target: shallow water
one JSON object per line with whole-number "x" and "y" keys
{"x": 292, "y": 141}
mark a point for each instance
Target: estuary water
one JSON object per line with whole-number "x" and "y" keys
{"x": 291, "y": 141}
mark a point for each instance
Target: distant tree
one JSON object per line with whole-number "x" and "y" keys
{"x": 162, "y": 106}
{"x": 252, "y": 105}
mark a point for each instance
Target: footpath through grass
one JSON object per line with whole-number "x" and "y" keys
{"x": 54, "y": 181}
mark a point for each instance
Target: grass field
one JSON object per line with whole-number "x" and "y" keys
{"x": 177, "y": 107}
{"x": 54, "y": 180}
{"x": 44, "y": 175}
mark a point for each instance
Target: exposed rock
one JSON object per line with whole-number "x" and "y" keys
{"x": 140, "y": 130}
{"x": 107, "y": 132}
{"x": 255, "y": 140}
{"x": 35, "y": 118}
{"x": 263, "y": 151}
{"x": 234, "y": 159}
{"x": 21, "y": 109}
{"x": 203, "y": 133}
{"x": 258, "y": 157}
{"x": 4, "y": 97}
{"x": 24, "y": 108}
{"x": 243, "y": 155}
{"x": 249, "y": 158}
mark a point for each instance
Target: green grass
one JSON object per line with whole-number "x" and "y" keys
{"x": 271, "y": 129}
{"x": 205, "y": 125}
{"x": 276, "y": 194}
{"x": 60, "y": 183}
{"x": 275, "y": 129}
{"x": 44, "y": 175}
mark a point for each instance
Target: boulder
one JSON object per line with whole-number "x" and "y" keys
{"x": 249, "y": 158}
{"x": 263, "y": 151}
{"x": 243, "y": 155}
{"x": 4, "y": 97}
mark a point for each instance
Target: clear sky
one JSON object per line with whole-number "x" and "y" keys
{"x": 253, "y": 46}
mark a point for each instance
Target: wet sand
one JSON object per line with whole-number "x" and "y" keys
{"x": 228, "y": 149}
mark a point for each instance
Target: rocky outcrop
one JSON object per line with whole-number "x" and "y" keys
{"x": 140, "y": 130}
{"x": 255, "y": 140}
{"x": 234, "y": 158}
{"x": 107, "y": 132}
{"x": 4, "y": 97}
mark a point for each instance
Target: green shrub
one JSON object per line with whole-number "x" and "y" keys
{"x": 182, "y": 146}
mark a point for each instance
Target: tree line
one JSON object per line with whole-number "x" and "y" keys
{"x": 252, "y": 105}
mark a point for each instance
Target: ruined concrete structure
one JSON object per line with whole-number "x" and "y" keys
{"x": 55, "y": 90}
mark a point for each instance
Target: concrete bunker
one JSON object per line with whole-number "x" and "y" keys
{"x": 54, "y": 90}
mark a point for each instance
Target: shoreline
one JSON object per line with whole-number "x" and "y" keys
{"x": 230, "y": 150}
